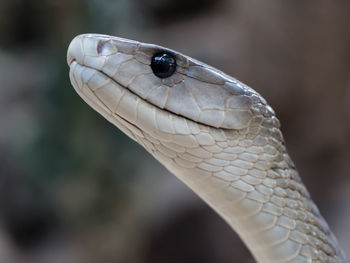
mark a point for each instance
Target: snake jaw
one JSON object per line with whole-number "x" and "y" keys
{"x": 214, "y": 133}
{"x": 195, "y": 91}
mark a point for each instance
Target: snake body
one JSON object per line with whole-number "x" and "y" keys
{"x": 219, "y": 136}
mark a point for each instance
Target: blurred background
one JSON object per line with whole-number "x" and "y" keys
{"x": 73, "y": 188}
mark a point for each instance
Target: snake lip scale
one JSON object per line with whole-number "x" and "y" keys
{"x": 216, "y": 134}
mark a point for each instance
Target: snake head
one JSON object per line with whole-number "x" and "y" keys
{"x": 111, "y": 66}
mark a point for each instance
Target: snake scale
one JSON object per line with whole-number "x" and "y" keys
{"x": 217, "y": 135}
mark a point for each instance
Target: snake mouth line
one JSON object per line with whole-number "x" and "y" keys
{"x": 110, "y": 113}
{"x": 104, "y": 110}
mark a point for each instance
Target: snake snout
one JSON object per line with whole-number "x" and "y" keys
{"x": 75, "y": 51}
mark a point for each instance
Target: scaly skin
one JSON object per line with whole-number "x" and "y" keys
{"x": 217, "y": 135}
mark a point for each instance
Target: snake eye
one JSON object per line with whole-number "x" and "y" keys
{"x": 163, "y": 65}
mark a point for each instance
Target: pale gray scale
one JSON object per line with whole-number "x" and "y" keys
{"x": 299, "y": 237}
{"x": 226, "y": 176}
{"x": 290, "y": 213}
{"x": 188, "y": 141}
{"x": 218, "y": 135}
{"x": 271, "y": 173}
{"x": 236, "y": 170}
{"x": 253, "y": 130}
{"x": 163, "y": 136}
{"x": 185, "y": 163}
{"x": 143, "y": 58}
{"x": 255, "y": 149}
{"x": 128, "y": 70}
{"x": 86, "y": 75}
{"x": 158, "y": 95}
{"x": 217, "y": 162}
{"x": 243, "y": 186}
{"x": 166, "y": 151}
{"x": 89, "y": 47}
{"x": 256, "y": 196}
{"x": 152, "y": 139}
{"x": 231, "y": 135}
{"x": 235, "y": 89}
{"x": 114, "y": 61}
{"x": 207, "y": 96}
{"x": 205, "y": 138}
{"x": 244, "y": 142}
{"x": 110, "y": 95}
{"x": 163, "y": 158}
{"x": 239, "y": 102}
{"x": 287, "y": 250}
{"x": 98, "y": 80}
{"x": 264, "y": 190}
{"x": 212, "y": 192}
{"x": 259, "y": 223}
{"x": 269, "y": 157}
{"x": 257, "y": 173}
{"x": 246, "y": 208}
{"x": 273, "y": 237}
{"x": 209, "y": 167}
{"x": 309, "y": 252}
{"x": 293, "y": 194}
{"x": 271, "y": 183}
{"x": 259, "y": 141}
{"x": 126, "y": 107}
{"x": 222, "y": 144}
{"x": 177, "y": 148}
{"x": 164, "y": 122}
{"x": 212, "y": 116}
{"x": 205, "y": 74}
{"x": 194, "y": 127}
{"x": 229, "y": 196}
{"x": 125, "y": 45}
{"x": 213, "y": 148}
{"x": 251, "y": 180}
{"x": 146, "y": 117}
{"x": 286, "y": 222}
{"x": 98, "y": 62}
{"x": 249, "y": 157}
{"x": 106, "y": 48}
{"x": 273, "y": 209}
{"x": 181, "y": 126}
{"x": 144, "y": 84}
{"x": 173, "y": 80}
{"x": 190, "y": 157}
{"x": 278, "y": 201}
{"x": 236, "y": 119}
{"x": 147, "y": 144}
{"x": 256, "y": 120}
{"x": 300, "y": 259}
{"x": 242, "y": 164}
{"x": 180, "y": 102}
{"x": 200, "y": 152}
{"x": 236, "y": 150}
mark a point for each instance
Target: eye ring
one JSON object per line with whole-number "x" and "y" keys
{"x": 163, "y": 65}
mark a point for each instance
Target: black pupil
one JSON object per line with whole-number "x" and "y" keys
{"x": 163, "y": 65}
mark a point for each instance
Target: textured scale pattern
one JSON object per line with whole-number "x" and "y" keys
{"x": 213, "y": 132}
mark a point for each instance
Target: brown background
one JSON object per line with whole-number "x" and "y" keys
{"x": 75, "y": 189}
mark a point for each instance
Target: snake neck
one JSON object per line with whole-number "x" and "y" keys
{"x": 248, "y": 178}
{"x": 240, "y": 168}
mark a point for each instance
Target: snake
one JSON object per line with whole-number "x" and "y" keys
{"x": 216, "y": 134}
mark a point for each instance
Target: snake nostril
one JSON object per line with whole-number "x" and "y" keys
{"x": 106, "y": 48}
{"x": 100, "y": 46}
